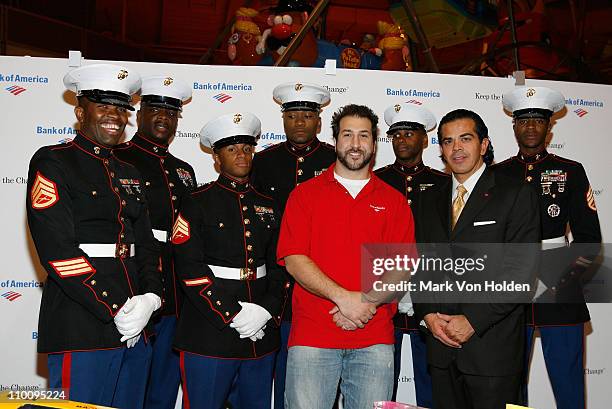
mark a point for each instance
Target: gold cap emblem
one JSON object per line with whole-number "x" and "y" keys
{"x": 298, "y": 87}
{"x": 397, "y": 107}
{"x": 123, "y": 74}
{"x": 168, "y": 81}
{"x": 237, "y": 118}
{"x": 530, "y": 92}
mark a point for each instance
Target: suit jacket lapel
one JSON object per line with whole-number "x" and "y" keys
{"x": 477, "y": 200}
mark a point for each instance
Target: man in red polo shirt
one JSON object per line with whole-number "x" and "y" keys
{"x": 337, "y": 335}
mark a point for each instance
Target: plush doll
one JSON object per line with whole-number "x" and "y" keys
{"x": 288, "y": 18}
{"x": 245, "y": 36}
{"x": 392, "y": 47}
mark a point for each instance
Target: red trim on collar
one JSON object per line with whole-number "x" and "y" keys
{"x": 314, "y": 144}
{"x": 134, "y": 142}
{"x": 543, "y": 153}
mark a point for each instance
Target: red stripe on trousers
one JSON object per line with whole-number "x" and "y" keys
{"x": 66, "y": 365}
{"x": 184, "y": 377}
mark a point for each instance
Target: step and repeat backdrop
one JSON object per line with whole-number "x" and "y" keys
{"x": 36, "y": 110}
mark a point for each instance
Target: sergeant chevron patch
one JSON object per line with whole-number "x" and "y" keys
{"x": 72, "y": 267}
{"x": 180, "y": 231}
{"x": 196, "y": 281}
{"x": 590, "y": 198}
{"x": 43, "y": 193}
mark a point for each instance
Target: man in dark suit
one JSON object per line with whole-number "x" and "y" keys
{"x": 473, "y": 348}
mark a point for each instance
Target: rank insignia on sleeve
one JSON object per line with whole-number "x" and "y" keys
{"x": 180, "y": 231}
{"x": 72, "y": 267}
{"x": 590, "y": 198}
{"x": 43, "y": 193}
{"x": 197, "y": 281}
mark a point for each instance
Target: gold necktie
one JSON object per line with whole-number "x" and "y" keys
{"x": 458, "y": 203}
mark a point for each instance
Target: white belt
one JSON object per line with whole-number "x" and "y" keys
{"x": 108, "y": 250}
{"x": 232, "y": 273}
{"x": 554, "y": 243}
{"x": 160, "y": 235}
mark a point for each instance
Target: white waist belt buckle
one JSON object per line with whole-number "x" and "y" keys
{"x": 554, "y": 243}
{"x": 121, "y": 250}
{"x": 233, "y": 273}
{"x": 160, "y": 235}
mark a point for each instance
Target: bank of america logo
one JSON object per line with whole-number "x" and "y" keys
{"x": 15, "y": 89}
{"x": 222, "y": 97}
{"x": 11, "y": 295}
{"x": 581, "y": 112}
{"x": 414, "y": 101}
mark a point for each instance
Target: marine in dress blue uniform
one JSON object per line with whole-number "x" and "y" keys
{"x": 88, "y": 217}
{"x": 278, "y": 169}
{"x": 166, "y": 181}
{"x": 566, "y": 200}
{"x": 225, "y": 242}
{"x": 408, "y": 127}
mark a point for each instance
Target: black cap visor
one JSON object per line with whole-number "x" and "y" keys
{"x": 405, "y": 126}
{"x": 108, "y": 97}
{"x": 301, "y": 106}
{"x": 162, "y": 102}
{"x": 532, "y": 113}
{"x": 233, "y": 140}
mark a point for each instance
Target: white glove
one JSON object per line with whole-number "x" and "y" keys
{"x": 260, "y": 334}
{"x": 135, "y": 313}
{"x": 405, "y": 305}
{"x": 132, "y": 341}
{"x": 250, "y": 319}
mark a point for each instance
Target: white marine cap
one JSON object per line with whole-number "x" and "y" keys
{"x": 298, "y": 96}
{"x": 104, "y": 83}
{"x": 409, "y": 116}
{"x": 230, "y": 129}
{"x": 533, "y": 102}
{"x": 164, "y": 91}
